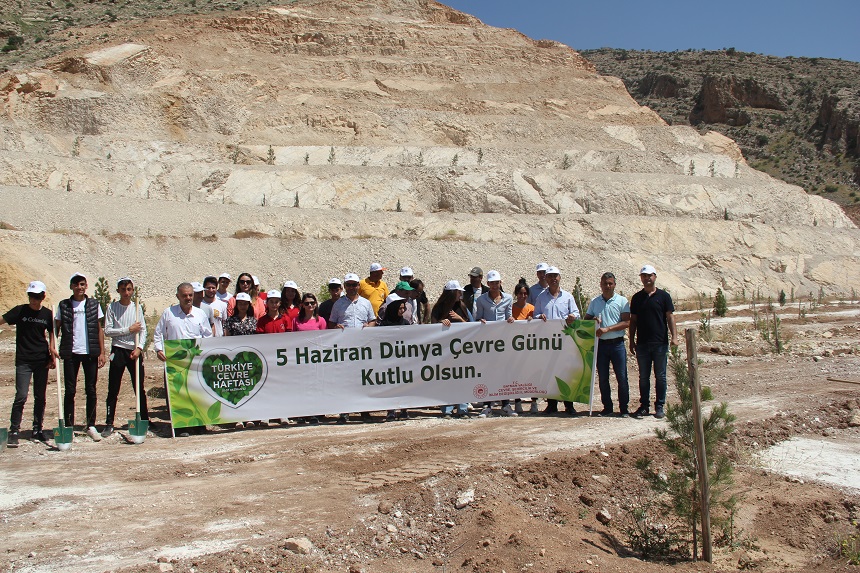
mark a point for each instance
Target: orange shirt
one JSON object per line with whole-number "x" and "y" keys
{"x": 523, "y": 313}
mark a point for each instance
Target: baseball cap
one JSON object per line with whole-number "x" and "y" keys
{"x": 256, "y": 280}
{"x": 335, "y": 281}
{"x": 376, "y": 267}
{"x": 122, "y": 280}
{"x": 493, "y": 276}
{"x": 351, "y": 278}
{"x": 243, "y": 296}
{"x": 403, "y": 285}
{"x": 36, "y": 287}
{"x": 291, "y": 284}
{"x": 476, "y": 272}
{"x": 541, "y": 267}
{"x": 76, "y": 275}
{"x": 648, "y": 270}
{"x": 453, "y": 285}
{"x": 225, "y": 276}
{"x": 197, "y": 287}
{"x": 274, "y": 293}
{"x": 406, "y": 272}
{"x": 393, "y": 297}
{"x": 553, "y": 271}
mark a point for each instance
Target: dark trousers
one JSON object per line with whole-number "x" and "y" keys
{"x": 71, "y": 366}
{"x": 613, "y": 351}
{"x": 657, "y": 355}
{"x": 23, "y": 373}
{"x": 120, "y": 362}
{"x": 552, "y": 405}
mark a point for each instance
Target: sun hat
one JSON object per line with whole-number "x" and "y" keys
{"x": 197, "y": 287}
{"x": 648, "y": 270}
{"x": 493, "y": 276}
{"x": 351, "y": 278}
{"x": 335, "y": 281}
{"x": 406, "y": 272}
{"x": 225, "y": 276}
{"x": 123, "y": 280}
{"x": 376, "y": 267}
{"x": 291, "y": 284}
{"x": 36, "y": 287}
{"x": 274, "y": 293}
{"x": 403, "y": 285}
{"x": 541, "y": 267}
{"x": 243, "y": 296}
{"x": 476, "y": 272}
{"x": 553, "y": 271}
{"x": 453, "y": 285}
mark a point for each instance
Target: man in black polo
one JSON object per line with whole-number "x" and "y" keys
{"x": 474, "y": 289}
{"x": 652, "y": 329}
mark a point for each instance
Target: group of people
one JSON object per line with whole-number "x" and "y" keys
{"x": 210, "y": 308}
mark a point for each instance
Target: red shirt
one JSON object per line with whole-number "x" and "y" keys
{"x": 268, "y": 325}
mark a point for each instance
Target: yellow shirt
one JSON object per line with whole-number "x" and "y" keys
{"x": 376, "y": 293}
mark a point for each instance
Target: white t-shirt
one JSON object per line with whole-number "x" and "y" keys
{"x": 218, "y": 310}
{"x": 223, "y": 297}
{"x": 79, "y": 326}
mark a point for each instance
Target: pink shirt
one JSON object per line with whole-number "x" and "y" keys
{"x": 317, "y": 323}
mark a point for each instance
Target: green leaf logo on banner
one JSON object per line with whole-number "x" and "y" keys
{"x": 232, "y": 381}
{"x": 578, "y": 388}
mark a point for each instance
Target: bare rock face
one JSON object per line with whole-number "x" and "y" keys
{"x": 721, "y": 100}
{"x": 406, "y": 124}
{"x": 839, "y": 123}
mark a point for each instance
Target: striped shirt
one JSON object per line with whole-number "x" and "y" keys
{"x": 118, "y": 320}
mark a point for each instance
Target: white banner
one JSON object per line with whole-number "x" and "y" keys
{"x": 233, "y": 379}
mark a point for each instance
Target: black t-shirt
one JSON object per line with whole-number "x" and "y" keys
{"x": 325, "y": 307}
{"x": 650, "y": 311}
{"x": 31, "y": 333}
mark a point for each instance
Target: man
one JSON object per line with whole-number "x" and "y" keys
{"x": 491, "y": 306}
{"x": 539, "y": 286}
{"x": 217, "y": 307}
{"x": 335, "y": 289}
{"x": 178, "y": 322}
{"x": 82, "y": 343}
{"x": 126, "y": 327}
{"x": 224, "y": 281}
{"x": 553, "y": 304}
{"x": 197, "y": 301}
{"x": 34, "y": 356}
{"x": 652, "y": 322}
{"x": 373, "y": 288}
{"x": 273, "y": 322}
{"x": 473, "y": 290}
{"x": 352, "y": 311}
{"x": 612, "y": 313}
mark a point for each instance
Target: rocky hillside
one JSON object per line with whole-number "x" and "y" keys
{"x": 391, "y": 126}
{"x": 795, "y": 118}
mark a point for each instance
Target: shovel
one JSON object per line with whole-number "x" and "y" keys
{"x": 4, "y": 437}
{"x": 137, "y": 428}
{"x": 63, "y": 436}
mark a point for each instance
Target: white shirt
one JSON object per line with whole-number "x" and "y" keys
{"x": 223, "y": 297}
{"x": 218, "y": 315}
{"x": 119, "y": 319}
{"x": 79, "y": 326}
{"x": 176, "y": 325}
{"x": 352, "y": 314}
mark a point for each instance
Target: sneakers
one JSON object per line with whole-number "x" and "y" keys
{"x": 606, "y": 413}
{"x": 509, "y": 411}
{"x": 641, "y": 412}
{"x": 343, "y": 419}
{"x": 391, "y": 416}
{"x": 312, "y": 421}
{"x": 12, "y": 442}
{"x": 534, "y": 407}
{"x": 550, "y": 411}
{"x": 107, "y": 431}
{"x": 39, "y": 435}
{"x": 366, "y": 417}
{"x": 659, "y": 413}
{"x": 403, "y": 415}
{"x": 519, "y": 408}
{"x": 240, "y": 425}
{"x": 624, "y": 414}
{"x": 571, "y": 412}
{"x": 94, "y": 434}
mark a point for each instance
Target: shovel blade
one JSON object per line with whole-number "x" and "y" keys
{"x": 63, "y": 436}
{"x": 4, "y": 438}
{"x": 137, "y": 429}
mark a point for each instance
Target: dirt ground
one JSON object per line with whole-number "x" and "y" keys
{"x": 385, "y": 497}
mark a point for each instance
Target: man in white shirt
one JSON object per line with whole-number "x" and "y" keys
{"x": 539, "y": 286}
{"x": 218, "y": 308}
{"x": 126, "y": 327}
{"x": 82, "y": 343}
{"x": 224, "y": 281}
{"x": 180, "y": 321}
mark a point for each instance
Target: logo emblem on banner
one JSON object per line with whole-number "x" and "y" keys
{"x": 233, "y": 376}
{"x": 480, "y": 391}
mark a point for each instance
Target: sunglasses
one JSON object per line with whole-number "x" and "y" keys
{"x": 243, "y": 281}
{"x": 351, "y": 284}
{"x": 309, "y": 303}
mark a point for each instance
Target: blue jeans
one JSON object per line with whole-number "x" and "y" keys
{"x": 658, "y": 356}
{"x": 613, "y": 352}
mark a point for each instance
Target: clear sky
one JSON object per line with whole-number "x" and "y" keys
{"x": 811, "y": 28}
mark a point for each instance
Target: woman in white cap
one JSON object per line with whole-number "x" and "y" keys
{"x": 242, "y": 322}
{"x": 449, "y": 308}
{"x": 290, "y": 300}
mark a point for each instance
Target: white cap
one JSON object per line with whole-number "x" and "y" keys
{"x": 36, "y": 287}
{"x": 648, "y": 270}
{"x": 393, "y": 297}
{"x": 122, "y": 280}
{"x": 453, "y": 285}
{"x": 541, "y": 267}
{"x": 376, "y": 267}
{"x": 274, "y": 293}
{"x": 493, "y": 276}
{"x": 334, "y": 281}
{"x": 256, "y": 280}
{"x": 77, "y": 274}
{"x": 406, "y": 272}
{"x": 243, "y": 296}
{"x": 225, "y": 276}
{"x": 351, "y": 278}
{"x": 197, "y": 287}
{"x": 291, "y": 284}
{"x": 553, "y": 271}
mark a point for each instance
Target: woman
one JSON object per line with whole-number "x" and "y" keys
{"x": 290, "y": 300}
{"x": 245, "y": 284}
{"x": 450, "y": 308}
{"x": 273, "y": 322}
{"x": 420, "y": 301}
{"x": 394, "y": 317}
{"x": 522, "y": 310}
{"x": 309, "y": 318}
{"x": 241, "y": 323}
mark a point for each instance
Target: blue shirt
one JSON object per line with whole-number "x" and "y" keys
{"x": 492, "y": 311}
{"x": 610, "y": 312}
{"x": 534, "y": 291}
{"x": 556, "y": 307}
{"x": 352, "y": 314}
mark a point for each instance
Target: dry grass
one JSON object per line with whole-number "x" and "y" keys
{"x": 65, "y": 231}
{"x": 7, "y": 227}
{"x": 200, "y": 236}
{"x": 249, "y": 234}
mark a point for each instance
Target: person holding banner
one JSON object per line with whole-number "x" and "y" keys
{"x": 273, "y": 322}
{"x": 523, "y": 310}
{"x": 126, "y": 327}
{"x": 612, "y": 313}
{"x": 309, "y": 318}
{"x": 395, "y": 315}
{"x": 242, "y": 323}
{"x": 291, "y": 301}
{"x": 554, "y": 303}
{"x": 217, "y": 306}
{"x": 353, "y": 311}
{"x": 449, "y": 308}
{"x": 495, "y": 305}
